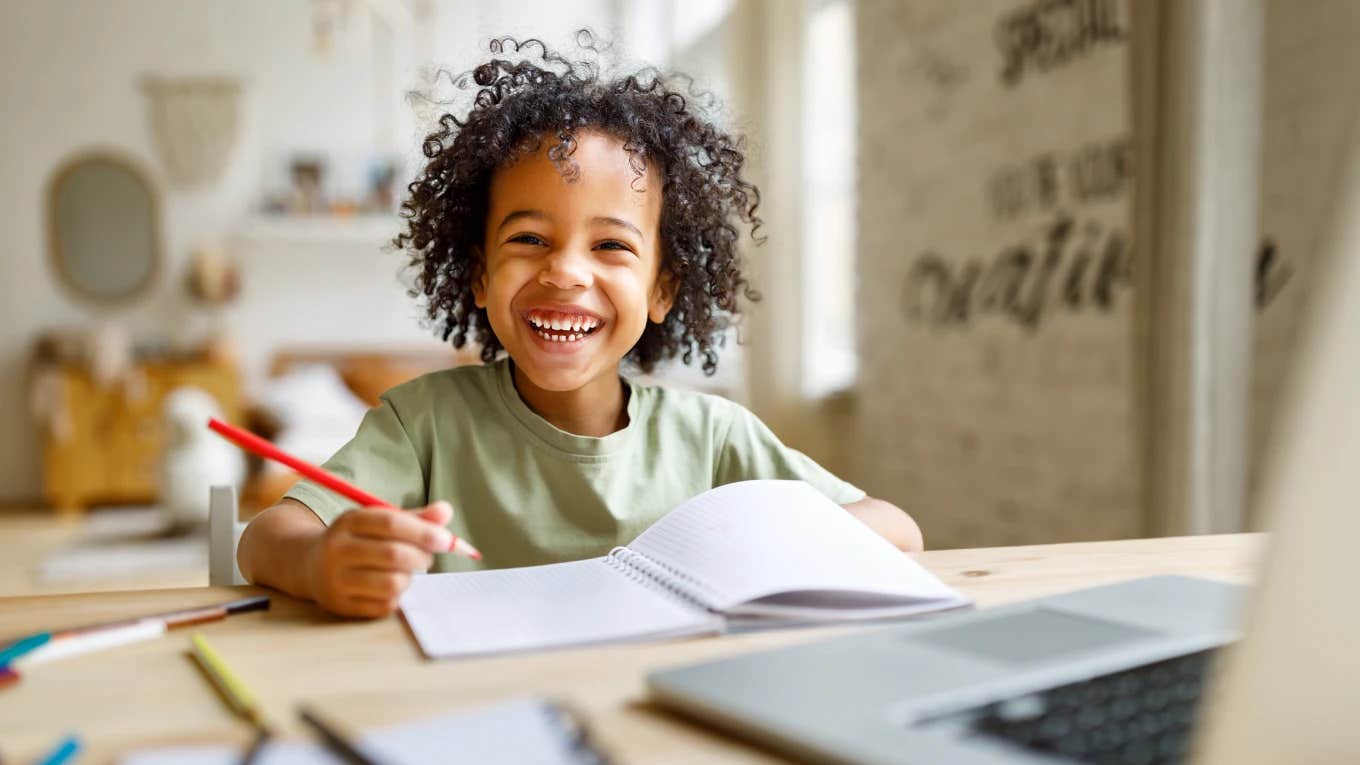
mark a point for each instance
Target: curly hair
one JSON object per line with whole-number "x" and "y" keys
{"x": 521, "y": 103}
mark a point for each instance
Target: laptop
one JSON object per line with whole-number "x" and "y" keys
{"x": 1155, "y": 670}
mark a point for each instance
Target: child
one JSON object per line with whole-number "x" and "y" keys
{"x": 573, "y": 223}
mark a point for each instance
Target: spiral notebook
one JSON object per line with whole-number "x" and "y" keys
{"x": 763, "y": 551}
{"x": 533, "y": 730}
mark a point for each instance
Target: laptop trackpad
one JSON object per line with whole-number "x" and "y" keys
{"x": 1030, "y": 636}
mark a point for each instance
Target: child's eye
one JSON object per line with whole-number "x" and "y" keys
{"x": 526, "y": 239}
{"x": 611, "y": 244}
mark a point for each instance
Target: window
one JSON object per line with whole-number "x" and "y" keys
{"x": 829, "y": 357}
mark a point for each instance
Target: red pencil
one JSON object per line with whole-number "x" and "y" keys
{"x": 253, "y": 443}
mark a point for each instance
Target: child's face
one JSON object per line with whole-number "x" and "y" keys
{"x": 571, "y": 271}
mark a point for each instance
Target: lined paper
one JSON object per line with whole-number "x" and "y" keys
{"x": 754, "y": 539}
{"x": 758, "y": 549}
{"x": 551, "y": 606}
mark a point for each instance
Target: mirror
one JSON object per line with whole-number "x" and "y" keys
{"x": 104, "y": 227}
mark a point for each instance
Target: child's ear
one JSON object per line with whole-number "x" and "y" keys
{"x": 478, "y": 278}
{"x": 663, "y": 296}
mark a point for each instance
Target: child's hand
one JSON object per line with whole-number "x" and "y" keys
{"x": 363, "y": 562}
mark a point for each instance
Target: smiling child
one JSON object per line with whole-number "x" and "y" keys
{"x": 567, "y": 225}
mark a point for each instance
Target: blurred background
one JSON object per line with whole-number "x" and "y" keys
{"x": 1033, "y": 273}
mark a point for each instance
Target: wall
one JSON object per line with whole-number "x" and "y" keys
{"x": 1311, "y": 100}
{"x": 992, "y": 432}
{"x": 996, "y": 399}
{"x": 69, "y": 79}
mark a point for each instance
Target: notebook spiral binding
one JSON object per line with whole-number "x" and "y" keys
{"x": 644, "y": 570}
{"x": 709, "y": 594}
{"x": 570, "y": 724}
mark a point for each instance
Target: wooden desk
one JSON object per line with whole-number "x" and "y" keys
{"x": 367, "y": 673}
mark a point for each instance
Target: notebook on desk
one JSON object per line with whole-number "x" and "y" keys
{"x": 518, "y": 730}
{"x": 757, "y": 551}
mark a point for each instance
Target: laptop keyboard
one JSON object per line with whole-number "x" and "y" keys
{"x": 1139, "y": 716}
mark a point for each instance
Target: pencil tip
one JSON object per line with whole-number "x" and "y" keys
{"x": 465, "y": 547}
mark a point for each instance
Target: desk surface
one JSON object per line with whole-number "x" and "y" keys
{"x": 367, "y": 673}
{"x": 28, "y": 539}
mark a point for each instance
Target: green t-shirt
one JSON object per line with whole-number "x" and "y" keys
{"x": 525, "y": 492}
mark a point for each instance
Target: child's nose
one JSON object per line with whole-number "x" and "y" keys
{"x": 566, "y": 269}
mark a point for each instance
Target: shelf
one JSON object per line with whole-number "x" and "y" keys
{"x": 319, "y": 229}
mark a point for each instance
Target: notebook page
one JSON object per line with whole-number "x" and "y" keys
{"x": 753, "y": 539}
{"x": 552, "y": 606}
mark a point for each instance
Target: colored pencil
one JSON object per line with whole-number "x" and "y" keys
{"x": 182, "y": 617}
{"x": 63, "y": 753}
{"x": 337, "y": 743}
{"x": 253, "y": 443}
{"x": 8, "y": 676}
{"x": 238, "y": 695}
{"x": 22, "y": 646}
{"x": 171, "y": 619}
{"x": 262, "y": 736}
{"x": 89, "y": 642}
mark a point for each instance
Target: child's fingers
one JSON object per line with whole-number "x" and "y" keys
{"x": 373, "y": 583}
{"x": 362, "y": 552}
{"x": 439, "y": 513}
{"x": 368, "y": 608}
{"x": 397, "y": 526}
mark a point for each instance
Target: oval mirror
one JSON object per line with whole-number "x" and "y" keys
{"x": 104, "y": 227}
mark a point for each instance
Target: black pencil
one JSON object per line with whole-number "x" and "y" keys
{"x": 334, "y": 741}
{"x": 252, "y": 753}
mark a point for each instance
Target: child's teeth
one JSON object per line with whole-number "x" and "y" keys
{"x": 578, "y": 327}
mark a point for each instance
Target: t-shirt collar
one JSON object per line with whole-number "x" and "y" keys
{"x": 553, "y": 436}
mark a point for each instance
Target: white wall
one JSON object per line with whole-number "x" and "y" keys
{"x": 69, "y": 80}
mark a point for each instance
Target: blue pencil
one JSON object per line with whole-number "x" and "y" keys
{"x": 22, "y": 646}
{"x": 63, "y": 753}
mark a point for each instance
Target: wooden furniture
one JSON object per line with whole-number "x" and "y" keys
{"x": 367, "y": 673}
{"x": 112, "y": 448}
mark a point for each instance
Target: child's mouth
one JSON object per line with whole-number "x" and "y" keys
{"x": 557, "y": 327}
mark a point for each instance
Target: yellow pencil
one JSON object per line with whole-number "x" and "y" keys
{"x": 237, "y": 694}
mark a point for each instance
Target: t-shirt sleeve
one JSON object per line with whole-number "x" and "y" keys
{"x": 380, "y": 459}
{"x": 752, "y": 451}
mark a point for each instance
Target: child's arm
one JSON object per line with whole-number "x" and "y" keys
{"x": 752, "y": 450}
{"x": 890, "y": 521}
{"x": 359, "y": 565}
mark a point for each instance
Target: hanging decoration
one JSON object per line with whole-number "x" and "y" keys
{"x": 194, "y": 125}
